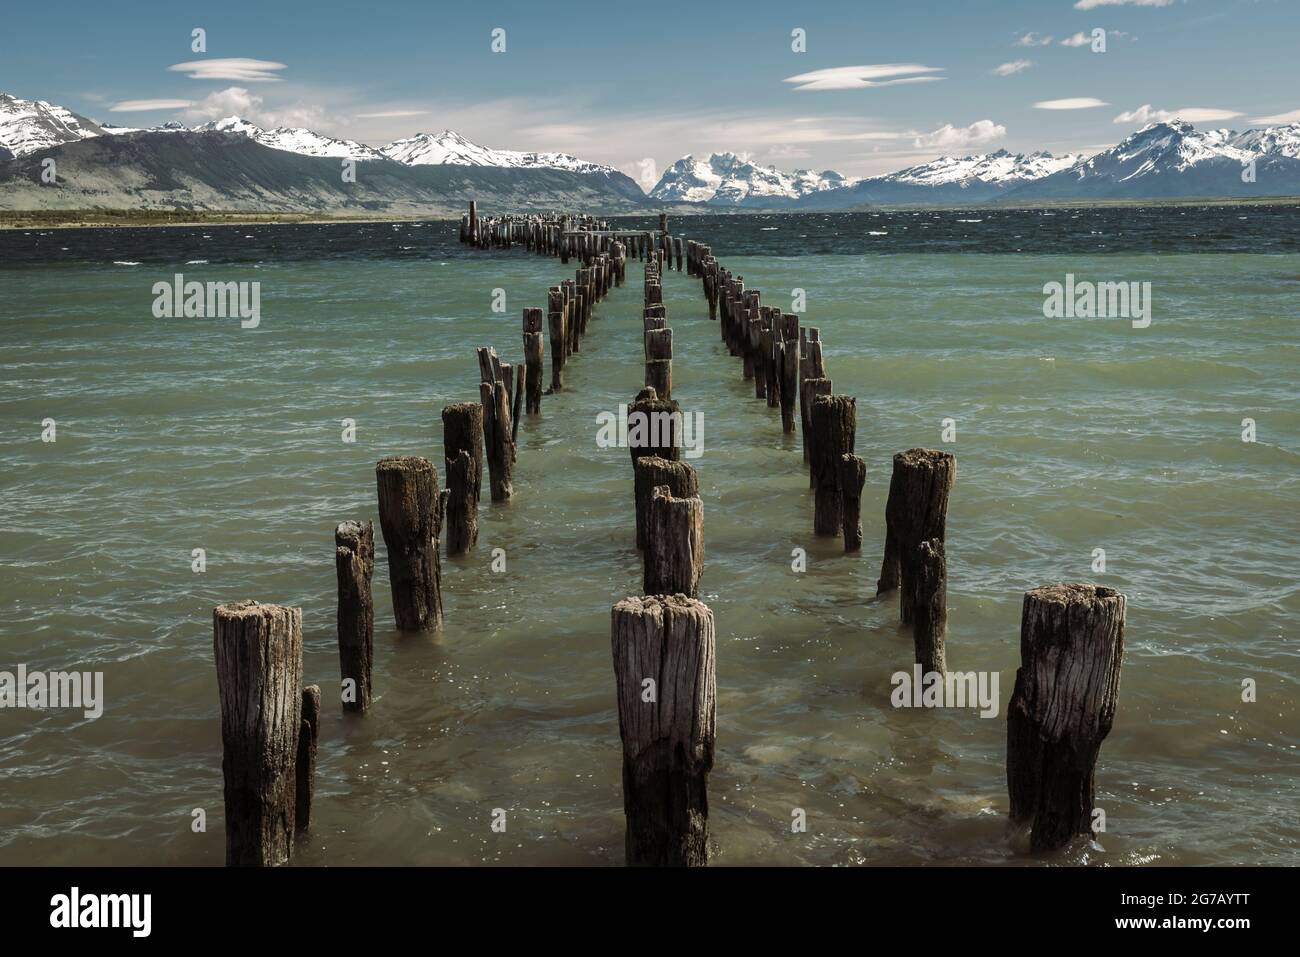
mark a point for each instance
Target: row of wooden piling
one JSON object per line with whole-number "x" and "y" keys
{"x": 663, "y": 641}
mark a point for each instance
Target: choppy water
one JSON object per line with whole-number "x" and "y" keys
{"x": 1071, "y": 435}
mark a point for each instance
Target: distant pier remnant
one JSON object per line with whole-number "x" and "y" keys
{"x": 258, "y": 652}
{"x": 917, "y": 510}
{"x": 410, "y": 516}
{"x": 354, "y": 562}
{"x": 665, "y": 671}
{"x": 1063, "y": 706}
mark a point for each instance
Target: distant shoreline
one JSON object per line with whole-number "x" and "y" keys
{"x": 111, "y": 219}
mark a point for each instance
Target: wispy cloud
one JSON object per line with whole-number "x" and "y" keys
{"x": 864, "y": 77}
{"x": 1012, "y": 67}
{"x": 230, "y": 68}
{"x": 950, "y": 137}
{"x": 1070, "y": 103}
{"x": 237, "y": 101}
{"x": 388, "y": 114}
{"x": 145, "y": 106}
{"x": 1192, "y": 114}
{"x": 1082, "y": 39}
{"x": 1292, "y": 117}
{"x": 1093, "y": 4}
{"x": 1032, "y": 39}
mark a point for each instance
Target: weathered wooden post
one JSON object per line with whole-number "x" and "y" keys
{"x": 674, "y": 548}
{"x": 258, "y": 652}
{"x": 665, "y": 671}
{"x": 930, "y": 606}
{"x": 659, "y": 362}
{"x": 789, "y": 370}
{"x": 305, "y": 773}
{"x": 354, "y": 563}
{"x": 555, "y": 322}
{"x": 516, "y": 398}
{"x": 916, "y": 510}
{"x": 852, "y": 475}
{"x": 462, "y": 431}
{"x": 498, "y": 433}
{"x": 409, "y": 517}
{"x": 473, "y": 221}
{"x": 834, "y": 422}
{"x": 533, "y": 360}
{"x": 1063, "y": 706}
{"x": 651, "y": 471}
{"x": 653, "y": 426}
{"x": 461, "y": 518}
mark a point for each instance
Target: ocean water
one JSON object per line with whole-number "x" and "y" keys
{"x": 1071, "y": 435}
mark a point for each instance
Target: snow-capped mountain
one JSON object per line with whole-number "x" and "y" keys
{"x": 304, "y": 142}
{"x": 449, "y": 148}
{"x": 998, "y": 167}
{"x": 724, "y": 179}
{"x": 1175, "y": 159}
{"x": 30, "y": 125}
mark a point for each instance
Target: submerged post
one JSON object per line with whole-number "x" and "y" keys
{"x": 258, "y": 652}
{"x": 354, "y": 563}
{"x": 852, "y": 476}
{"x": 930, "y": 606}
{"x": 533, "y": 360}
{"x": 834, "y": 422}
{"x": 651, "y": 471}
{"x": 665, "y": 672}
{"x": 1063, "y": 706}
{"x": 409, "y": 516}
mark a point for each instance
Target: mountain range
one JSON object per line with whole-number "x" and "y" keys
{"x": 232, "y": 164}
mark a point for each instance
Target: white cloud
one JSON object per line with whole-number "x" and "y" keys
{"x": 1192, "y": 114}
{"x": 1032, "y": 39}
{"x": 1013, "y": 67}
{"x": 230, "y": 68}
{"x": 237, "y": 101}
{"x": 1093, "y": 4}
{"x": 1070, "y": 103}
{"x": 1079, "y": 39}
{"x": 145, "y": 106}
{"x": 949, "y": 136}
{"x": 863, "y": 77}
{"x": 1278, "y": 118}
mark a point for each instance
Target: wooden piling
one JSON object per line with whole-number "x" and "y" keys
{"x": 930, "y": 606}
{"x": 1063, "y": 706}
{"x": 659, "y": 362}
{"x": 354, "y": 564}
{"x": 410, "y": 519}
{"x": 305, "y": 772}
{"x": 834, "y": 422}
{"x": 533, "y": 360}
{"x": 555, "y": 323}
{"x": 651, "y": 471}
{"x": 674, "y": 544}
{"x": 498, "y": 433}
{"x": 462, "y": 431}
{"x": 852, "y": 475}
{"x": 658, "y": 432}
{"x": 916, "y": 510}
{"x": 258, "y": 653}
{"x": 668, "y": 736}
{"x": 788, "y": 372}
{"x": 461, "y": 517}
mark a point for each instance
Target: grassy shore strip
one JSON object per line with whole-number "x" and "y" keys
{"x": 90, "y": 218}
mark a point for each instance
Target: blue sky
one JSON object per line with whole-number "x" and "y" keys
{"x": 627, "y": 83}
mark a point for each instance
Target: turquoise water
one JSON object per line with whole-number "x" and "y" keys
{"x": 1071, "y": 435}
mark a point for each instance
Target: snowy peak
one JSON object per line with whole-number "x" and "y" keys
{"x": 30, "y": 125}
{"x": 449, "y": 148}
{"x": 1000, "y": 168}
{"x": 728, "y": 179}
{"x": 293, "y": 139}
{"x": 1177, "y": 147}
